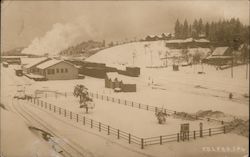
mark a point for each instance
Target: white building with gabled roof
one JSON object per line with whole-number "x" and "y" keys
{"x": 57, "y": 70}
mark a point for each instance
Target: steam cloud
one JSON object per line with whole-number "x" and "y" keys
{"x": 60, "y": 37}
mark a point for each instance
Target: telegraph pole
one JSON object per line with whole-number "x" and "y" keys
{"x": 232, "y": 67}
{"x": 247, "y": 70}
{"x": 133, "y": 58}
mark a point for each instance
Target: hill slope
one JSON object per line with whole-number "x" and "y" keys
{"x": 142, "y": 54}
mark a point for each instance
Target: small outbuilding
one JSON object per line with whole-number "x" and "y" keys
{"x": 116, "y": 81}
{"x": 220, "y": 56}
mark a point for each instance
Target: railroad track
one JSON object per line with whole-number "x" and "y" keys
{"x": 68, "y": 148}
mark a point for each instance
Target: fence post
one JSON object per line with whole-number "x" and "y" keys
{"x": 194, "y": 134}
{"x": 99, "y": 126}
{"x": 160, "y": 140}
{"x": 54, "y": 108}
{"x": 119, "y": 101}
{"x": 113, "y": 99}
{"x": 77, "y": 117}
{"x": 50, "y": 107}
{"x": 139, "y": 105}
{"x": 132, "y": 103}
{"x": 83, "y": 121}
{"x": 209, "y": 131}
{"x": 224, "y": 129}
{"x": 118, "y": 133}
{"x": 188, "y": 135}
{"x": 108, "y": 130}
{"x": 142, "y": 143}
{"x": 129, "y": 138}
{"x": 59, "y": 110}
{"x": 201, "y": 128}
{"x": 46, "y": 105}
{"x": 91, "y": 123}
{"x": 222, "y": 122}
{"x": 65, "y": 95}
{"x": 147, "y": 107}
{"x": 64, "y": 112}
{"x": 178, "y": 137}
{"x": 70, "y": 115}
{"x": 125, "y": 102}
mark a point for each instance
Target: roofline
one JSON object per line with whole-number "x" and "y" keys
{"x": 58, "y": 63}
{"x": 39, "y": 63}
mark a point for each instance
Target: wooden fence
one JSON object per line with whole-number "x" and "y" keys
{"x": 130, "y": 104}
{"x": 119, "y": 134}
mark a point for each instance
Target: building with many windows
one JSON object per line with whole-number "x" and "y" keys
{"x": 55, "y": 70}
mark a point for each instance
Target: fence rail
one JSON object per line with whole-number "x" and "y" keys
{"x": 119, "y": 134}
{"x": 131, "y": 104}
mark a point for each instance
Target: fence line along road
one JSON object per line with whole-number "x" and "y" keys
{"x": 119, "y": 134}
{"x": 131, "y": 104}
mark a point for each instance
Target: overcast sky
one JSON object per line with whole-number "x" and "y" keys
{"x": 23, "y": 21}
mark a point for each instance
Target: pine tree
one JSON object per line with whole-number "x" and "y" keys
{"x": 185, "y": 29}
{"x": 200, "y": 27}
{"x": 207, "y": 30}
{"x": 177, "y": 29}
{"x": 195, "y": 29}
{"x": 190, "y": 31}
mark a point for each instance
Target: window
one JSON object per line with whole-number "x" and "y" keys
{"x": 48, "y": 71}
{"x": 57, "y": 70}
{"x": 61, "y": 70}
{"x": 52, "y": 71}
{"x": 66, "y": 70}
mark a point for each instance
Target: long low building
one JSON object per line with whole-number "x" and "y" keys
{"x": 123, "y": 83}
{"x": 52, "y": 69}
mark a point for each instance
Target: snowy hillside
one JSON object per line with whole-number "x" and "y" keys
{"x": 142, "y": 54}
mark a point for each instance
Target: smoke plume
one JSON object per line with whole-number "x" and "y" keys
{"x": 61, "y": 36}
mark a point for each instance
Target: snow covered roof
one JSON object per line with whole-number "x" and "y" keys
{"x": 180, "y": 40}
{"x": 13, "y": 57}
{"x": 51, "y": 63}
{"x": 33, "y": 61}
{"x": 219, "y": 51}
{"x": 202, "y": 41}
{"x": 222, "y": 57}
{"x": 34, "y": 76}
{"x": 124, "y": 79}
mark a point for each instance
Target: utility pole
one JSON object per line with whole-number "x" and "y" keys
{"x": 133, "y": 58}
{"x": 151, "y": 57}
{"x": 247, "y": 69}
{"x": 232, "y": 67}
{"x": 166, "y": 57}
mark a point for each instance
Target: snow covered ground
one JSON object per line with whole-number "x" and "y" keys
{"x": 184, "y": 90}
{"x": 142, "y": 54}
{"x": 128, "y": 119}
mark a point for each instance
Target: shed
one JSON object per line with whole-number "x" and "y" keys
{"x": 220, "y": 56}
{"x": 114, "y": 80}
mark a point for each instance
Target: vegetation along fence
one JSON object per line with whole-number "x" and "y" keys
{"x": 119, "y": 134}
